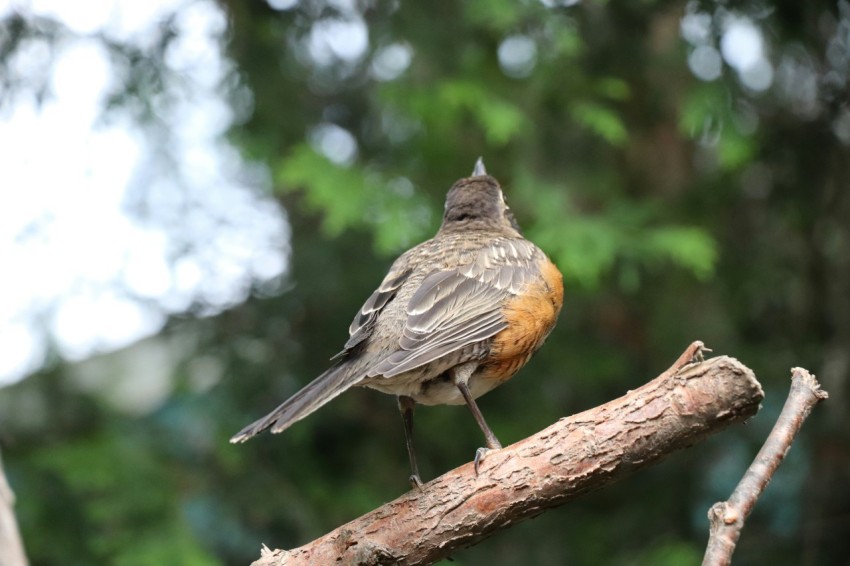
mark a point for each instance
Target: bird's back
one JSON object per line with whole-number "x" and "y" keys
{"x": 454, "y": 301}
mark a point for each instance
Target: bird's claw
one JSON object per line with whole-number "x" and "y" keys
{"x": 480, "y": 454}
{"x": 415, "y": 481}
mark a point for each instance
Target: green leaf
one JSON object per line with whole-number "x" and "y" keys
{"x": 734, "y": 150}
{"x": 687, "y": 247}
{"x": 336, "y": 191}
{"x": 350, "y": 197}
{"x": 610, "y": 87}
{"x": 441, "y": 108}
{"x": 707, "y": 114}
{"x": 702, "y": 108}
{"x": 602, "y": 121}
{"x": 670, "y": 553}
{"x": 500, "y": 119}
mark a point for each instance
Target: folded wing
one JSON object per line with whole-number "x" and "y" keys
{"x": 458, "y": 308}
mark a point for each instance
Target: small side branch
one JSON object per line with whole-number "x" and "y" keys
{"x": 727, "y": 517}
{"x": 577, "y": 454}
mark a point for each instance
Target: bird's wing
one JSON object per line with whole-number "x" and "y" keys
{"x": 362, "y": 325}
{"x": 459, "y": 307}
{"x": 345, "y": 373}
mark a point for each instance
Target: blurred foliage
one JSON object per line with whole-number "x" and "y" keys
{"x": 677, "y": 208}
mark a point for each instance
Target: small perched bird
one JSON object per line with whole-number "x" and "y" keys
{"x": 455, "y": 317}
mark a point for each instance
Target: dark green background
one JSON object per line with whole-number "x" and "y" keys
{"x": 677, "y": 210}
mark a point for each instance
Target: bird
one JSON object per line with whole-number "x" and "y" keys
{"x": 455, "y": 317}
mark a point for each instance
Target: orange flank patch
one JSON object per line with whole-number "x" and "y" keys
{"x": 530, "y": 317}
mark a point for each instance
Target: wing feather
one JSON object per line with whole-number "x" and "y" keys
{"x": 456, "y": 308}
{"x": 362, "y": 325}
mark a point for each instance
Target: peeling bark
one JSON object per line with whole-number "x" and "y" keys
{"x": 575, "y": 455}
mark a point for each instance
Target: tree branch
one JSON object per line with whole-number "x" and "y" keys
{"x": 575, "y": 455}
{"x": 727, "y": 517}
{"x": 11, "y": 548}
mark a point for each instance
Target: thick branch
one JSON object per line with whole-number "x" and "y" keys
{"x": 575, "y": 455}
{"x": 727, "y": 517}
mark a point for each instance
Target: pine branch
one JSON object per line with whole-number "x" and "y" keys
{"x": 577, "y": 454}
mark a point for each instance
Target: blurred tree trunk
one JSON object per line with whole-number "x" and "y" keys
{"x": 11, "y": 547}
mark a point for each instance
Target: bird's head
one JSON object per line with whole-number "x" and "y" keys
{"x": 478, "y": 202}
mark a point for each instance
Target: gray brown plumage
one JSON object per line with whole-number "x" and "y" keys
{"x": 455, "y": 316}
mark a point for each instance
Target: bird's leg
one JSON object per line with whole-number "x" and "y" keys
{"x": 461, "y": 375}
{"x": 406, "y": 405}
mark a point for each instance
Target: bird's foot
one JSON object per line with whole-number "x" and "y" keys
{"x": 481, "y": 453}
{"x": 415, "y": 481}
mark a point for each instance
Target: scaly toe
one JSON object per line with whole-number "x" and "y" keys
{"x": 415, "y": 481}
{"x": 480, "y": 454}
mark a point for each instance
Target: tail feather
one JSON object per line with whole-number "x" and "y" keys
{"x": 314, "y": 395}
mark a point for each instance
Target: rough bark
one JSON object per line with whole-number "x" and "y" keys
{"x": 727, "y": 518}
{"x": 575, "y": 455}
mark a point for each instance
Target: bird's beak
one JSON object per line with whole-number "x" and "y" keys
{"x": 479, "y": 168}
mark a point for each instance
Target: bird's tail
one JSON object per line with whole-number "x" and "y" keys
{"x": 336, "y": 380}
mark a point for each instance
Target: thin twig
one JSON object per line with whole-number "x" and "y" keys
{"x": 727, "y": 517}
{"x": 577, "y": 454}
